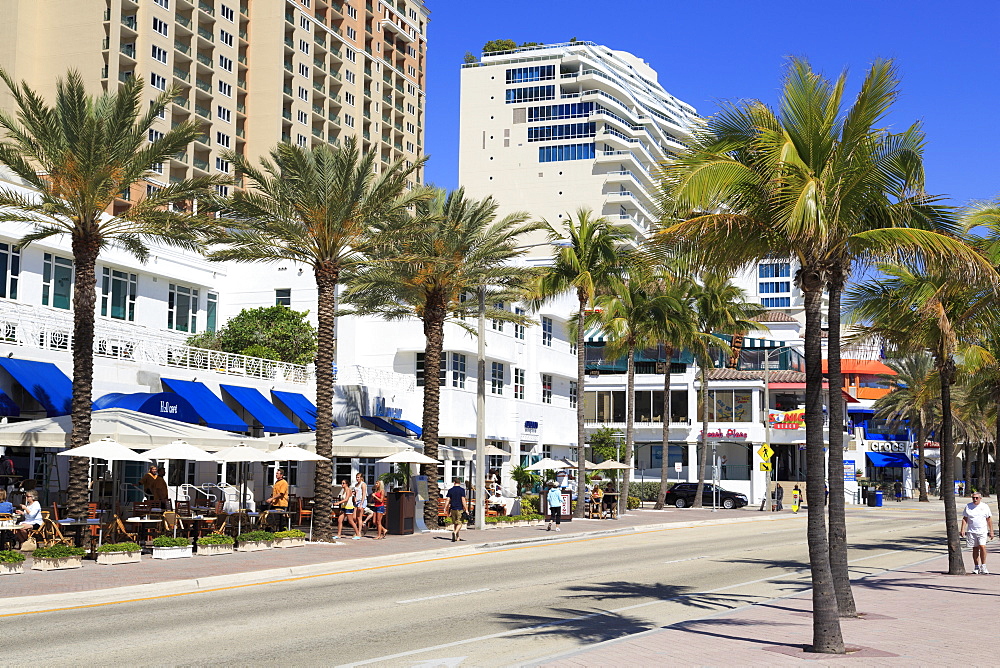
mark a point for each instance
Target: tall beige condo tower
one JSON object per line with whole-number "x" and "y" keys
{"x": 548, "y": 129}
{"x": 255, "y": 72}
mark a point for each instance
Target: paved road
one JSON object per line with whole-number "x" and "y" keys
{"x": 507, "y": 606}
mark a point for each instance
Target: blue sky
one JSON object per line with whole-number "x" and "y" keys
{"x": 710, "y": 50}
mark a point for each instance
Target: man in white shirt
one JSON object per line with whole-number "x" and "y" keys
{"x": 977, "y": 523}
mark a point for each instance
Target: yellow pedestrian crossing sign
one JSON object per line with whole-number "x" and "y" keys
{"x": 765, "y": 453}
{"x": 765, "y": 466}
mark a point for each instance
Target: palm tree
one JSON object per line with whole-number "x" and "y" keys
{"x": 425, "y": 264}
{"x": 720, "y": 309}
{"x": 631, "y": 318}
{"x": 588, "y": 264}
{"x": 80, "y": 154}
{"x": 318, "y": 208}
{"x": 912, "y": 312}
{"x": 833, "y": 189}
{"x": 911, "y": 401}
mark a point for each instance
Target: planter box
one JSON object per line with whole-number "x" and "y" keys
{"x": 521, "y": 523}
{"x": 46, "y": 564}
{"x": 12, "y": 569}
{"x": 210, "y": 550}
{"x": 254, "y": 546}
{"x": 179, "y": 552}
{"x": 290, "y": 542}
{"x": 115, "y": 558}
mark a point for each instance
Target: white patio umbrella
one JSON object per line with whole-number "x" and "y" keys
{"x": 549, "y": 464}
{"x": 109, "y": 450}
{"x": 408, "y": 457}
{"x": 243, "y": 454}
{"x": 496, "y": 452}
{"x": 613, "y": 465}
{"x": 181, "y": 450}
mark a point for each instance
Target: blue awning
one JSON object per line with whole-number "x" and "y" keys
{"x": 45, "y": 382}
{"x": 7, "y": 406}
{"x": 889, "y": 459}
{"x": 298, "y": 405}
{"x": 415, "y": 428}
{"x": 163, "y": 404}
{"x": 384, "y": 425}
{"x": 211, "y": 408}
{"x": 262, "y": 410}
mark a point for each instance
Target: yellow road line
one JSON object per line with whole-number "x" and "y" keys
{"x": 368, "y": 568}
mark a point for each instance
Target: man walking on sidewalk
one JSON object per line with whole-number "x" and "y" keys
{"x": 554, "y": 499}
{"x": 459, "y": 507}
{"x": 977, "y": 524}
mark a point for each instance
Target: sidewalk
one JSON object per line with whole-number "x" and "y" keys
{"x": 200, "y": 572}
{"x": 912, "y": 616}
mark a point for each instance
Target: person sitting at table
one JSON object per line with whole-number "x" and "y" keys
{"x": 279, "y": 492}
{"x": 154, "y": 486}
{"x": 610, "y": 498}
{"x": 597, "y": 498}
{"x": 31, "y": 517}
{"x": 6, "y": 507}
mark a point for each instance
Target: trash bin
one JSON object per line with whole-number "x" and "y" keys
{"x": 870, "y": 499}
{"x": 400, "y": 512}
{"x": 878, "y": 499}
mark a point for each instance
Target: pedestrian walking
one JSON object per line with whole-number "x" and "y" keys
{"x": 796, "y": 499}
{"x": 897, "y": 488}
{"x": 977, "y": 529}
{"x": 345, "y": 506}
{"x": 779, "y": 495}
{"x": 458, "y": 505}
{"x": 826, "y": 493}
{"x": 360, "y": 493}
{"x": 379, "y": 497}
{"x": 279, "y": 492}
{"x": 554, "y": 499}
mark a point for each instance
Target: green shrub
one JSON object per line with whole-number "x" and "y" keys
{"x": 11, "y": 557}
{"x": 255, "y": 537}
{"x": 168, "y": 541}
{"x": 291, "y": 533}
{"x": 633, "y": 502}
{"x": 216, "y": 539}
{"x": 647, "y": 491}
{"x": 492, "y": 520}
{"x": 529, "y": 503}
{"x": 119, "y": 547}
{"x": 62, "y": 551}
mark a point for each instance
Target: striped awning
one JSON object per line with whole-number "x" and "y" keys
{"x": 754, "y": 343}
{"x": 594, "y": 335}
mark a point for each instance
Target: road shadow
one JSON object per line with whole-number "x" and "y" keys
{"x": 581, "y": 625}
{"x": 620, "y": 590}
{"x": 714, "y": 628}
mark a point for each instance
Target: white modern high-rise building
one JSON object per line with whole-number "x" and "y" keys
{"x": 548, "y": 129}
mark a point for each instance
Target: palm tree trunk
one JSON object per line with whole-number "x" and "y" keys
{"x": 629, "y": 431}
{"x": 664, "y": 463}
{"x": 434, "y": 317}
{"x": 703, "y": 455}
{"x": 85, "y": 253}
{"x": 996, "y": 457}
{"x": 827, "y": 637}
{"x": 922, "y": 470}
{"x": 966, "y": 468}
{"x": 327, "y": 275}
{"x": 836, "y": 508}
{"x": 581, "y": 432}
{"x": 946, "y": 371}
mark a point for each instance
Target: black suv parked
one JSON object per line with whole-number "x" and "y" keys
{"x": 682, "y": 496}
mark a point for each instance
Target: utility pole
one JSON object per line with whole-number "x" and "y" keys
{"x": 480, "y": 498}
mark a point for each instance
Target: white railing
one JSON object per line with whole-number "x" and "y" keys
{"x": 364, "y": 375}
{"x": 52, "y": 329}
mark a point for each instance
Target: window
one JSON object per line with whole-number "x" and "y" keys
{"x": 211, "y": 311}
{"x": 574, "y": 393}
{"x": 572, "y": 347}
{"x": 57, "y": 281}
{"x": 226, "y": 38}
{"x": 118, "y": 290}
{"x": 352, "y": 34}
{"x": 159, "y": 54}
{"x": 158, "y": 82}
{"x": 226, "y": 63}
{"x": 775, "y": 270}
{"x": 567, "y": 152}
{"x": 519, "y": 383}
{"x": 303, "y": 69}
{"x": 410, "y": 128}
{"x": 227, "y": 13}
{"x": 457, "y": 370}
{"x": 349, "y": 98}
{"x": 301, "y": 140}
{"x": 283, "y": 297}
{"x": 519, "y": 327}
{"x": 351, "y": 55}
{"x": 410, "y": 109}
{"x": 442, "y": 371}
{"x": 352, "y": 12}
{"x": 727, "y": 405}
{"x": 224, "y": 114}
{"x": 770, "y": 287}
{"x": 303, "y": 117}
{"x": 304, "y": 46}
{"x": 496, "y": 378}
{"x": 156, "y": 167}
{"x": 349, "y": 120}
{"x": 554, "y": 112}
{"x": 10, "y": 270}
{"x": 526, "y": 74}
{"x": 409, "y": 146}
{"x": 304, "y": 23}
{"x": 152, "y": 190}
{"x": 182, "y": 309}
{"x": 222, "y": 139}
{"x": 162, "y": 3}
{"x": 160, "y": 26}
{"x": 546, "y": 388}
{"x": 498, "y": 324}
{"x": 547, "y": 332}
{"x": 349, "y": 76}
{"x": 776, "y": 302}
{"x": 222, "y": 191}
{"x": 568, "y": 131}
{"x": 226, "y": 89}
{"x": 303, "y": 94}
{"x": 222, "y": 165}
{"x": 411, "y": 70}
{"x": 161, "y": 112}
{"x": 291, "y": 470}
{"x": 530, "y": 94}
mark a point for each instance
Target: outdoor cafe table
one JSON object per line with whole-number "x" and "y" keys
{"x": 75, "y": 527}
{"x": 7, "y": 533}
{"x": 610, "y": 504}
{"x": 143, "y": 525}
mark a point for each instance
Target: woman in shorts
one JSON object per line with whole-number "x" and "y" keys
{"x": 345, "y": 507}
{"x": 360, "y": 505}
{"x": 379, "y": 498}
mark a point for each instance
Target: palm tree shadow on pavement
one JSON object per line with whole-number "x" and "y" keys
{"x": 582, "y": 625}
{"x": 612, "y": 591}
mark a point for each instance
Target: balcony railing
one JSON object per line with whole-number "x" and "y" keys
{"x": 52, "y": 329}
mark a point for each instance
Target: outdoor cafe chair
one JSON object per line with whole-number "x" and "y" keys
{"x": 48, "y": 534}
{"x": 304, "y": 510}
{"x": 142, "y": 508}
{"x": 183, "y": 508}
